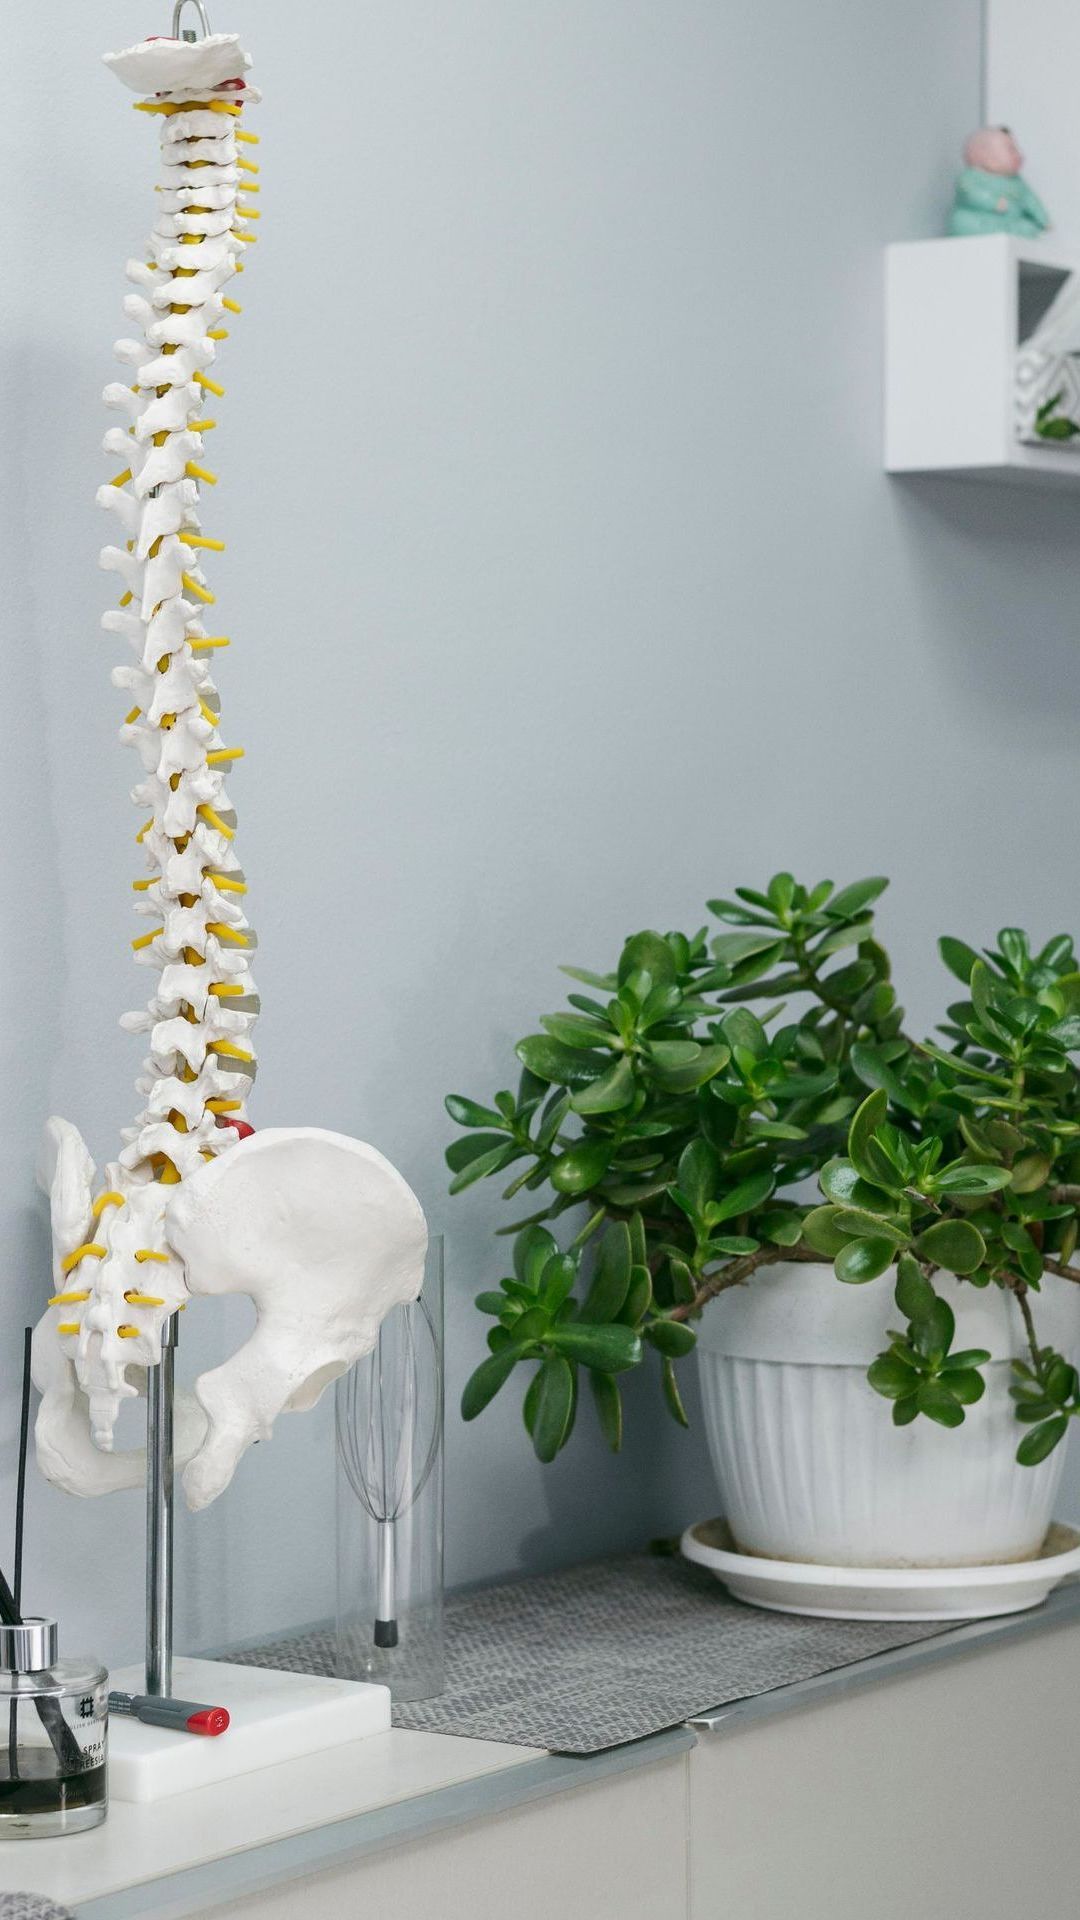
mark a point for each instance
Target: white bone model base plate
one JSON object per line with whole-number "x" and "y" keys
{"x": 274, "y": 1718}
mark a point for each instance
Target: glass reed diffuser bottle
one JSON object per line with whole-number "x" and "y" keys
{"x": 54, "y": 1729}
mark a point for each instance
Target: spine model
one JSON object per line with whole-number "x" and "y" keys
{"x": 317, "y": 1230}
{"x": 116, "y": 1280}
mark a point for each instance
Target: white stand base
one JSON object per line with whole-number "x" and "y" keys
{"x": 275, "y": 1717}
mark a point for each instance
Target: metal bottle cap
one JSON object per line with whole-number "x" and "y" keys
{"x": 28, "y": 1648}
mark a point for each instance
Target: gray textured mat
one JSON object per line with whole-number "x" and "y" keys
{"x": 31, "y": 1906}
{"x": 597, "y": 1655}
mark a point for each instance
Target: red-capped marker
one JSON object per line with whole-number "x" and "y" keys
{"x": 183, "y": 1716}
{"x": 208, "y": 1720}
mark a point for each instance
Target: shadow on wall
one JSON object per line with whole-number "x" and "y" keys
{"x": 32, "y": 946}
{"x": 980, "y": 556}
{"x": 665, "y": 1478}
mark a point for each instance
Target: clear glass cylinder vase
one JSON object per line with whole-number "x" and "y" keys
{"x": 389, "y": 1430}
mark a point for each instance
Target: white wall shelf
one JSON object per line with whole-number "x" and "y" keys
{"x": 955, "y": 312}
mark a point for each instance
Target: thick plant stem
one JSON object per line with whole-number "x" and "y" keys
{"x": 1018, "y": 1289}
{"x": 1059, "y": 1267}
{"x": 741, "y": 1269}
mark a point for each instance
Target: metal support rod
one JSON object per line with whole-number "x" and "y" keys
{"x": 177, "y": 14}
{"x": 159, "y": 1515}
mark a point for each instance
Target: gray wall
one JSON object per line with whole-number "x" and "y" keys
{"x": 567, "y": 590}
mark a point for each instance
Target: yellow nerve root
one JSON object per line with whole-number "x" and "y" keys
{"x": 89, "y": 1250}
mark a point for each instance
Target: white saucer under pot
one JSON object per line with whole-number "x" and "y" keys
{"x": 884, "y": 1593}
{"x": 810, "y": 1466}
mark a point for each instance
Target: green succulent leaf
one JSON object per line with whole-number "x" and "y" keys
{"x": 639, "y": 1297}
{"x": 533, "y": 1248}
{"x": 608, "y": 1349}
{"x": 492, "y": 1373}
{"x": 698, "y": 1174}
{"x": 1030, "y": 1172}
{"x": 468, "y": 1114}
{"x": 915, "y": 1296}
{"x": 966, "y": 1384}
{"x": 852, "y": 901}
{"x": 672, "y": 1337}
{"x": 953, "y": 1244}
{"x": 782, "y": 1227}
{"x": 554, "y": 1407}
{"x": 874, "y": 1070}
{"x": 613, "y": 1091}
{"x": 742, "y": 1029}
{"x": 967, "y": 1357}
{"x": 872, "y": 1226}
{"x": 491, "y": 1162}
{"x": 609, "y": 1407}
{"x": 472, "y": 1146}
{"x": 576, "y": 1031}
{"x": 863, "y": 1260}
{"x": 891, "y": 1378}
{"x": 964, "y": 1178}
{"x": 611, "y": 1281}
{"x": 823, "y": 1229}
{"x": 845, "y": 1187}
{"x": 731, "y": 948}
{"x": 581, "y": 1167}
{"x": 560, "y": 1066}
{"x": 749, "y": 1193}
{"x": 648, "y": 953}
{"x": 672, "y": 1396}
{"x": 682, "y": 1281}
{"x": 557, "y": 1281}
{"x": 932, "y": 1333}
{"x": 863, "y": 1150}
{"x": 1041, "y": 1440}
{"x": 958, "y": 957}
{"x": 940, "y": 1404}
{"x": 491, "y": 1302}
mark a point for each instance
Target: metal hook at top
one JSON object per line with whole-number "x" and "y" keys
{"x": 176, "y": 16}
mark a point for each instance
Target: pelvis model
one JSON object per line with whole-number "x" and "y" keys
{"x": 320, "y": 1230}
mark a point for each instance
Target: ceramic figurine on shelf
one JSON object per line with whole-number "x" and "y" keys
{"x": 991, "y": 194}
{"x": 318, "y": 1229}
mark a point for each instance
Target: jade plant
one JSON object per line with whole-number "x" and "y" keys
{"x": 684, "y": 1104}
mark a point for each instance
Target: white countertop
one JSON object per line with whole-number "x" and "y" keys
{"x": 137, "y": 1844}
{"x": 180, "y": 1856}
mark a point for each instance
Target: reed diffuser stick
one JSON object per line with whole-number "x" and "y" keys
{"x": 20, "y": 1484}
{"x": 15, "y": 1592}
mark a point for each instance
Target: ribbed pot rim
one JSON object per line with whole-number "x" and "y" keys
{"x": 801, "y": 1314}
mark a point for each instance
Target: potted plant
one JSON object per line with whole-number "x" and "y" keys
{"x": 843, "y": 1220}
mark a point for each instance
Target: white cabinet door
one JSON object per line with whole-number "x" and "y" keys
{"x": 614, "y": 1851}
{"x": 950, "y": 1794}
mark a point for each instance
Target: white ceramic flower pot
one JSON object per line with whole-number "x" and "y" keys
{"x": 810, "y": 1465}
